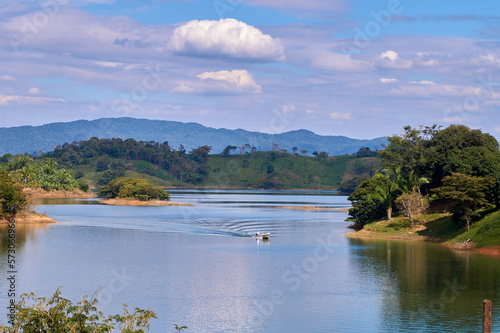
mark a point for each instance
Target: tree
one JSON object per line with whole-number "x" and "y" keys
{"x": 364, "y": 208}
{"x": 412, "y": 204}
{"x": 303, "y": 151}
{"x": 366, "y": 152}
{"x": 409, "y": 151}
{"x": 460, "y": 149}
{"x": 294, "y": 149}
{"x": 135, "y": 188}
{"x": 385, "y": 192}
{"x": 12, "y": 198}
{"x": 57, "y": 314}
{"x": 467, "y": 194}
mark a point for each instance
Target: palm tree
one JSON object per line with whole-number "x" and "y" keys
{"x": 385, "y": 192}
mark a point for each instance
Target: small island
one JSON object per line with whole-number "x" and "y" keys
{"x": 127, "y": 191}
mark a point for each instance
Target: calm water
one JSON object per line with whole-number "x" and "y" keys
{"x": 198, "y": 266}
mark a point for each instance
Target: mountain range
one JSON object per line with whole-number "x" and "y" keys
{"x": 30, "y": 139}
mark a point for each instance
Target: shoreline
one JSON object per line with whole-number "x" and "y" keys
{"x": 37, "y": 193}
{"x": 134, "y": 202}
{"x": 249, "y": 188}
{"x": 30, "y": 218}
{"x": 311, "y": 208}
{"x": 493, "y": 250}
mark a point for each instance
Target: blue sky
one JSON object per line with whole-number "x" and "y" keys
{"x": 362, "y": 68}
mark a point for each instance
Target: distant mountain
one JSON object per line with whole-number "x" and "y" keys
{"x": 29, "y": 139}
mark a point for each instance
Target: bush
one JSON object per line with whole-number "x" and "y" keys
{"x": 135, "y": 188}
{"x": 84, "y": 187}
{"x": 12, "y": 198}
{"x": 57, "y": 314}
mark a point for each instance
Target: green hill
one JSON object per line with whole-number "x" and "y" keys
{"x": 98, "y": 161}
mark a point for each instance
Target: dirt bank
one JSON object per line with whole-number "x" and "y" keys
{"x": 129, "y": 202}
{"x": 36, "y": 193}
{"x": 30, "y": 218}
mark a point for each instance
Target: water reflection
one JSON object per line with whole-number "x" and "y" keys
{"x": 424, "y": 286}
{"x": 23, "y": 232}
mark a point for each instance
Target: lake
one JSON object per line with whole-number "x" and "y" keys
{"x": 199, "y": 266}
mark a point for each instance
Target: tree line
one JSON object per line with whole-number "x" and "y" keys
{"x": 456, "y": 164}
{"x": 190, "y": 167}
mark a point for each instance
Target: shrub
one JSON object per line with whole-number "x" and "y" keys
{"x": 135, "y": 188}
{"x": 83, "y": 186}
{"x": 12, "y": 198}
{"x": 57, "y": 314}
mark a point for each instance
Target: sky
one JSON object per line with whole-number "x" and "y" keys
{"x": 358, "y": 68}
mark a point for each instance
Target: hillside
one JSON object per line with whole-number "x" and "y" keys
{"x": 29, "y": 139}
{"x": 98, "y": 161}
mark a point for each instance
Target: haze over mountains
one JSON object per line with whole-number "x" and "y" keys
{"x": 29, "y": 139}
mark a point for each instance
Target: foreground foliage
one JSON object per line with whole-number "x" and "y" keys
{"x": 60, "y": 315}
{"x": 133, "y": 188}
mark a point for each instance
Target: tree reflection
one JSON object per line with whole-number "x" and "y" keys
{"x": 426, "y": 286}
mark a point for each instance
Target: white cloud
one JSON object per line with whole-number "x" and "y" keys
{"x": 8, "y": 99}
{"x": 391, "y": 59}
{"x": 225, "y": 38}
{"x": 34, "y": 91}
{"x": 388, "y": 80}
{"x": 232, "y": 82}
{"x": 337, "y": 62}
{"x": 391, "y": 55}
{"x": 6, "y": 78}
{"x": 108, "y": 63}
{"x": 430, "y": 83}
{"x": 183, "y": 88}
{"x": 340, "y": 116}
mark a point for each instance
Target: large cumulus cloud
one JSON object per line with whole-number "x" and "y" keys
{"x": 228, "y": 38}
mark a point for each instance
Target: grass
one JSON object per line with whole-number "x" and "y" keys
{"x": 294, "y": 171}
{"x": 439, "y": 227}
{"x": 485, "y": 232}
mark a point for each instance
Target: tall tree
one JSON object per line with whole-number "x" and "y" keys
{"x": 467, "y": 194}
{"x": 387, "y": 191}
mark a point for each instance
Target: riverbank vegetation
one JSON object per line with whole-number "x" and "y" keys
{"x": 456, "y": 168}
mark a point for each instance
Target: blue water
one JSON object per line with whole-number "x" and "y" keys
{"x": 199, "y": 266}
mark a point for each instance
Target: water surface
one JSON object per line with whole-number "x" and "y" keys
{"x": 199, "y": 266}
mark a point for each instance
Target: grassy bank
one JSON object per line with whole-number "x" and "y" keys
{"x": 438, "y": 227}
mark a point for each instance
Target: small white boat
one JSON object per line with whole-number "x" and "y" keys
{"x": 262, "y": 235}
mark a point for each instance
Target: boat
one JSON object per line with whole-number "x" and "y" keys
{"x": 262, "y": 235}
